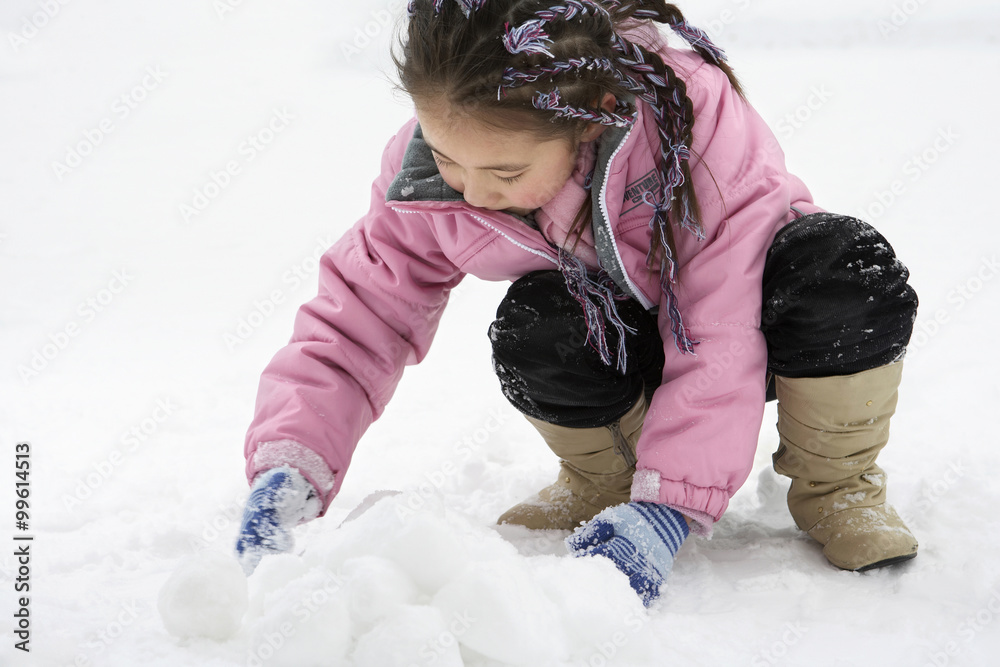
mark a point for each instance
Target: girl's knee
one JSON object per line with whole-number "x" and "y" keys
{"x": 834, "y": 294}
{"x": 538, "y": 321}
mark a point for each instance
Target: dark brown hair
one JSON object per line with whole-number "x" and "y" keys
{"x": 458, "y": 52}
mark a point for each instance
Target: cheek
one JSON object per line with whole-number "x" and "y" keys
{"x": 530, "y": 197}
{"x": 453, "y": 181}
{"x": 536, "y": 194}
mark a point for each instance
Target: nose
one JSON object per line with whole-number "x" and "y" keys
{"x": 479, "y": 194}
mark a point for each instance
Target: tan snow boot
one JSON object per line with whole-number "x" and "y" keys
{"x": 595, "y": 472}
{"x": 831, "y": 431}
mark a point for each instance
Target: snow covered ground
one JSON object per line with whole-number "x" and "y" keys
{"x": 171, "y": 170}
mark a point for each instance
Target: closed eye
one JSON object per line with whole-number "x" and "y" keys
{"x": 510, "y": 180}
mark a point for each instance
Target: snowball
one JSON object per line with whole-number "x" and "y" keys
{"x": 302, "y": 621}
{"x": 374, "y": 587}
{"x": 411, "y": 635}
{"x": 206, "y": 596}
{"x": 416, "y": 534}
{"x": 499, "y": 611}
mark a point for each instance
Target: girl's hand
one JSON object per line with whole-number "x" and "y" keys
{"x": 280, "y": 499}
{"x": 641, "y": 539}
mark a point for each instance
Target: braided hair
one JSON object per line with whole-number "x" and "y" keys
{"x": 547, "y": 73}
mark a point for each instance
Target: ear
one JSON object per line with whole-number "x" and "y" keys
{"x": 594, "y": 130}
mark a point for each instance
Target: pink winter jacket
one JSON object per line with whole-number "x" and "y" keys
{"x": 384, "y": 285}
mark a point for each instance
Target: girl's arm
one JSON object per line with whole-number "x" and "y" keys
{"x": 382, "y": 290}
{"x": 699, "y": 440}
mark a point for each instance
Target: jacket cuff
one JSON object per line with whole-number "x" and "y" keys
{"x": 703, "y": 505}
{"x": 288, "y": 452}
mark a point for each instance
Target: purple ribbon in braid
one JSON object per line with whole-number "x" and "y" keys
{"x": 678, "y": 152}
{"x": 468, "y": 6}
{"x": 698, "y": 38}
{"x": 529, "y": 37}
{"x": 692, "y": 35}
{"x": 597, "y": 297}
{"x": 552, "y": 101}
{"x": 674, "y": 153}
{"x": 570, "y": 9}
{"x": 513, "y": 77}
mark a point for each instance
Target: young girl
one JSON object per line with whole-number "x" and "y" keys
{"x": 669, "y": 275}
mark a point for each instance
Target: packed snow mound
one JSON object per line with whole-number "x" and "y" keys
{"x": 395, "y": 586}
{"x": 206, "y": 596}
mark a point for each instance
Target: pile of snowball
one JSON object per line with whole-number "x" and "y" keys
{"x": 393, "y": 586}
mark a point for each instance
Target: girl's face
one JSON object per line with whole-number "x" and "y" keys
{"x": 500, "y": 170}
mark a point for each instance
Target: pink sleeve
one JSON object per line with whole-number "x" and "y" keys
{"x": 699, "y": 439}
{"x": 382, "y": 290}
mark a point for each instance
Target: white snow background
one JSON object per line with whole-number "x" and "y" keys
{"x": 133, "y": 336}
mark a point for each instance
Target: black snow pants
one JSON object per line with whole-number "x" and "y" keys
{"x": 835, "y": 302}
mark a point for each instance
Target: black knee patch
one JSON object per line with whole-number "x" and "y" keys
{"x": 836, "y": 300}
{"x": 546, "y": 368}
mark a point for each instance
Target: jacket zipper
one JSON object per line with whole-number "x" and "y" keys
{"x": 602, "y": 200}
{"x": 493, "y": 228}
{"x": 486, "y": 223}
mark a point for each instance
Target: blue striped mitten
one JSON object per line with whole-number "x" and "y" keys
{"x": 641, "y": 539}
{"x": 280, "y": 499}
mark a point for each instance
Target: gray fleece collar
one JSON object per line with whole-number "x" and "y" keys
{"x": 419, "y": 179}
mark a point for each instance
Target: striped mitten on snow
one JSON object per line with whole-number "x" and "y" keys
{"x": 641, "y": 539}
{"x": 280, "y": 499}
